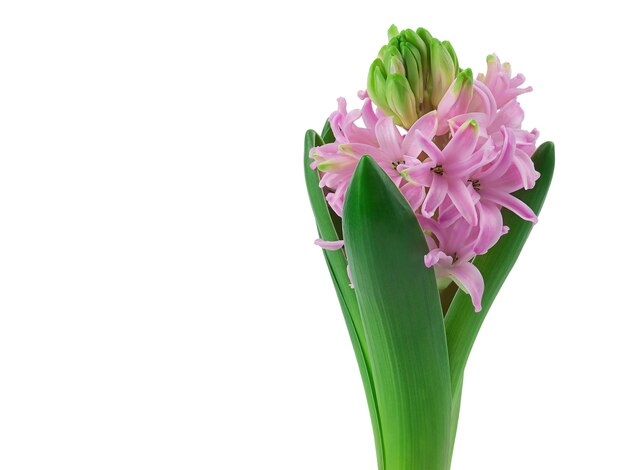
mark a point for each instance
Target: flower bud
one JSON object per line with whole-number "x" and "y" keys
{"x": 414, "y": 72}
{"x": 443, "y": 71}
{"x": 411, "y": 74}
{"x": 457, "y": 99}
{"x": 376, "y": 86}
{"x": 452, "y": 53}
{"x": 392, "y": 59}
{"x": 401, "y": 100}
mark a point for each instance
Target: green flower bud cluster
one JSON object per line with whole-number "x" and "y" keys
{"x": 411, "y": 74}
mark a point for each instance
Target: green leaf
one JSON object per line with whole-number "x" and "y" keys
{"x": 337, "y": 265}
{"x": 454, "y": 420}
{"x": 402, "y": 320}
{"x": 462, "y": 323}
{"x": 327, "y": 135}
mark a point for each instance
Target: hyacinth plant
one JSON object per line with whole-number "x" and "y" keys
{"x": 423, "y": 196}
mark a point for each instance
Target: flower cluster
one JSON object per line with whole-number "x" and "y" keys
{"x": 457, "y": 166}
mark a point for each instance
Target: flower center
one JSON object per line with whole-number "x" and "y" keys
{"x": 475, "y": 184}
{"x": 455, "y": 258}
{"x": 438, "y": 170}
{"x": 396, "y": 163}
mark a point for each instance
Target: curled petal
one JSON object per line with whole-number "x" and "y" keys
{"x": 448, "y": 213}
{"x": 419, "y": 174}
{"x": 461, "y": 197}
{"x": 490, "y": 227}
{"x": 510, "y": 115}
{"x": 463, "y": 143}
{"x": 369, "y": 116}
{"x": 468, "y": 278}
{"x": 484, "y": 101}
{"x": 458, "y": 97}
{"x": 329, "y": 245}
{"x": 511, "y": 203}
{"x": 466, "y": 168}
{"x": 388, "y": 137}
{"x": 414, "y": 194}
{"x": 426, "y": 126}
{"x": 437, "y": 256}
{"x": 436, "y": 194}
{"x": 428, "y": 147}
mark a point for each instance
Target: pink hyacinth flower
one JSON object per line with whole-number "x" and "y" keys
{"x": 451, "y": 255}
{"x": 493, "y": 186}
{"x": 445, "y": 171}
{"x": 498, "y": 78}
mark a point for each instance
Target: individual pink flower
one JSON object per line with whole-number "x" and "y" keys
{"x": 343, "y": 122}
{"x": 451, "y": 253}
{"x": 337, "y": 161}
{"x": 492, "y": 105}
{"x": 456, "y": 104}
{"x": 445, "y": 171}
{"x": 493, "y": 186}
{"x": 498, "y": 78}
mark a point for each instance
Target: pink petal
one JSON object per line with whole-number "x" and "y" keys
{"x": 504, "y": 160}
{"x": 510, "y": 115}
{"x": 427, "y": 126}
{"x": 388, "y": 137}
{"x": 436, "y": 194}
{"x": 437, "y": 256}
{"x": 448, "y": 214}
{"x": 526, "y": 169}
{"x": 369, "y": 117}
{"x": 469, "y": 279}
{"x": 420, "y": 174}
{"x": 487, "y": 102}
{"x": 482, "y": 119}
{"x": 429, "y": 147}
{"x": 491, "y": 226}
{"x": 510, "y": 202}
{"x": 493, "y": 68}
{"x": 414, "y": 194}
{"x": 463, "y": 143}
{"x": 456, "y": 100}
{"x": 461, "y": 197}
{"x": 466, "y": 168}
{"x": 358, "y": 150}
{"x": 329, "y": 245}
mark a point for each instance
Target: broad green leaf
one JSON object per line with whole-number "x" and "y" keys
{"x": 462, "y": 323}
{"x": 402, "y": 320}
{"x": 337, "y": 266}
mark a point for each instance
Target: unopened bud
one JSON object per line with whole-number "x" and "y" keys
{"x": 416, "y": 69}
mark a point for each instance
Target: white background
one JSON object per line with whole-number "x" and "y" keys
{"x": 161, "y": 303}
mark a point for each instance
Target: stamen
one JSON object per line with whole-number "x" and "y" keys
{"x": 475, "y": 184}
{"x": 438, "y": 170}
{"x": 396, "y": 163}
